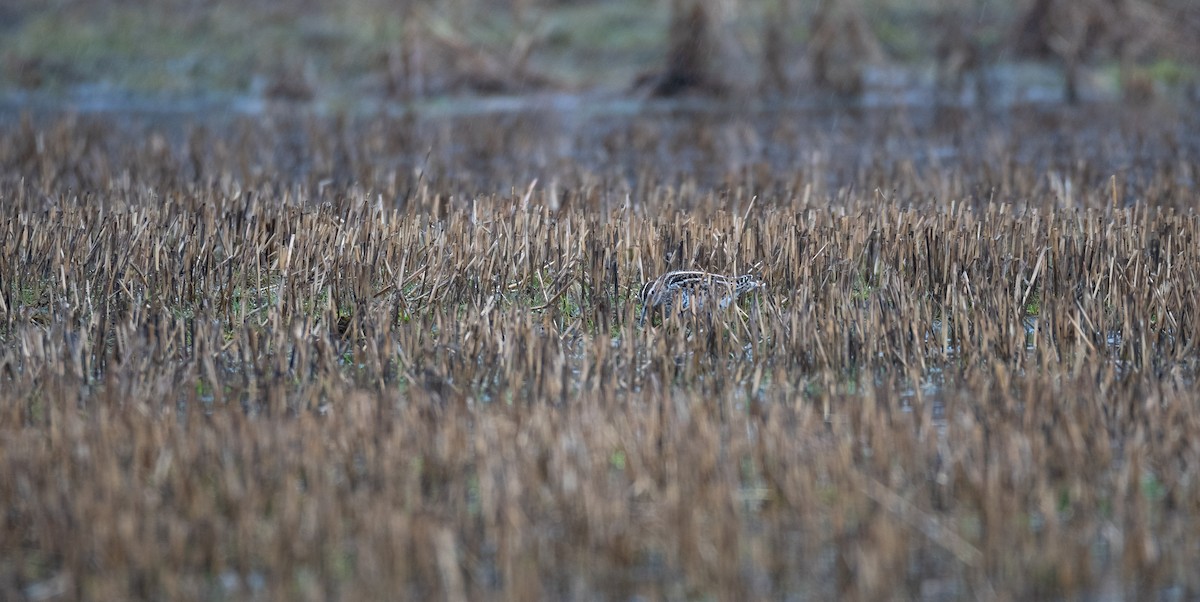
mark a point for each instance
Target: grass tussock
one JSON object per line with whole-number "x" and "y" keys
{"x": 232, "y": 369}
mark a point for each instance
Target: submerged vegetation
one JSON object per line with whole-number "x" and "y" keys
{"x": 386, "y": 358}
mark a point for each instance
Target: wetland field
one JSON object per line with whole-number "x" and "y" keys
{"x": 340, "y": 301}
{"x": 301, "y": 357}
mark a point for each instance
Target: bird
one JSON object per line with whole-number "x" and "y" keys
{"x": 693, "y": 288}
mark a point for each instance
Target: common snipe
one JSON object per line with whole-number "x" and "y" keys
{"x": 693, "y": 288}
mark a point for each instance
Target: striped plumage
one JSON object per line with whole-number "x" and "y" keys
{"x": 691, "y": 288}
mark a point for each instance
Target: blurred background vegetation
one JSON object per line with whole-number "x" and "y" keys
{"x": 342, "y": 50}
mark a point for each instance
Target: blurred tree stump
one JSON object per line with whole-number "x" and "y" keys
{"x": 841, "y": 45}
{"x": 692, "y": 54}
{"x": 1076, "y": 32}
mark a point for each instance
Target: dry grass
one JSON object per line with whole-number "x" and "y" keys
{"x": 228, "y": 372}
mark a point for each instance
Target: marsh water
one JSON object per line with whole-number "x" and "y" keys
{"x": 498, "y": 143}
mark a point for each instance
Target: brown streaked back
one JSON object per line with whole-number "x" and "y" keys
{"x": 693, "y": 288}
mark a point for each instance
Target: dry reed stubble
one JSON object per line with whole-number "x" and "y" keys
{"x": 229, "y": 381}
